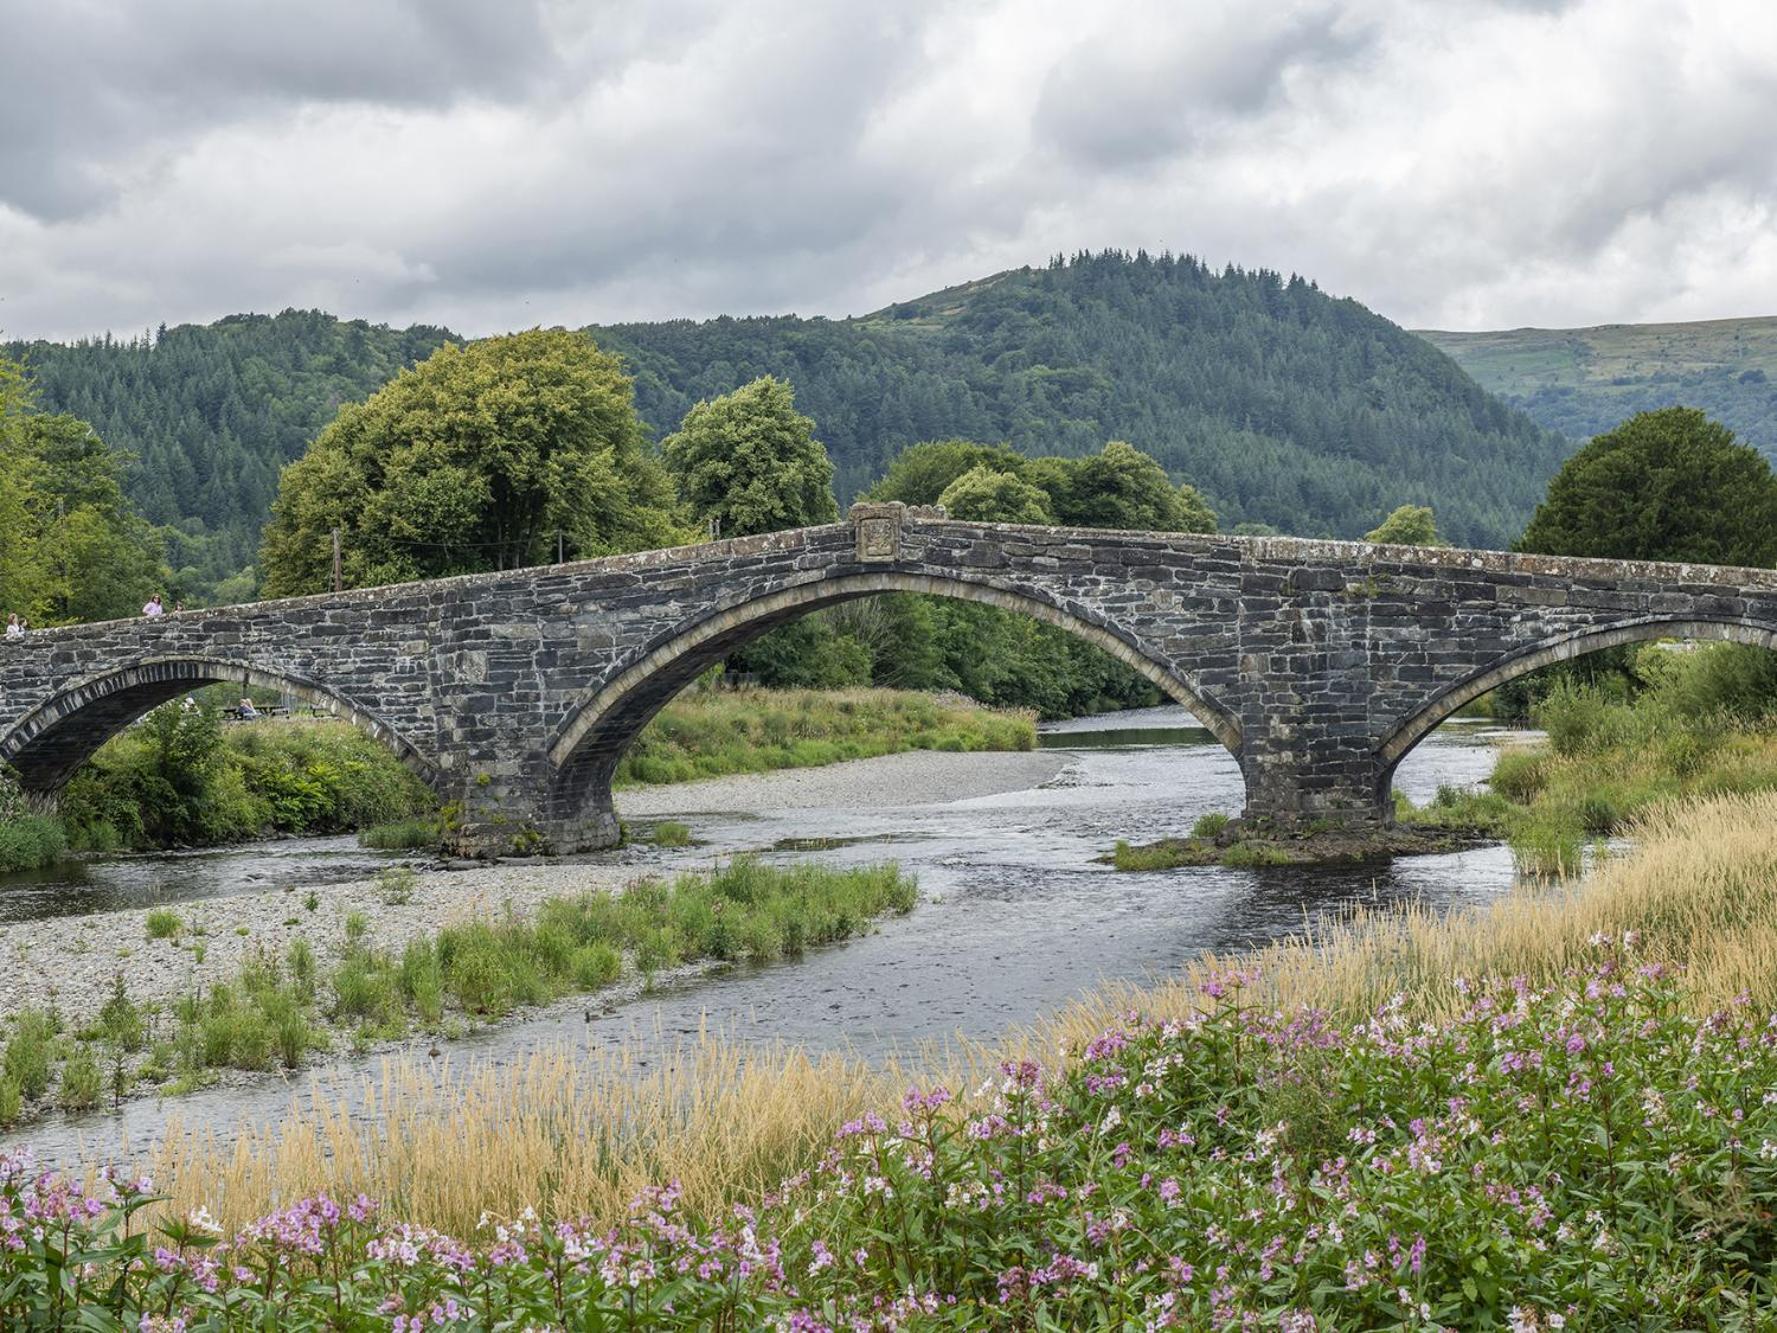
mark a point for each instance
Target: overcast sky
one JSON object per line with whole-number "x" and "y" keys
{"x": 497, "y": 164}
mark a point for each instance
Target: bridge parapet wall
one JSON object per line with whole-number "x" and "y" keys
{"x": 1318, "y": 663}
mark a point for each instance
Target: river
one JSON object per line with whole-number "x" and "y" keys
{"x": 1018, "y": 915}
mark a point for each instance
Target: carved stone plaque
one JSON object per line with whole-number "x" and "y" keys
{"x": 876, "y": 538}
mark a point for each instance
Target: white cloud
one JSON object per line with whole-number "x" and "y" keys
{"x": 491, "y": 166}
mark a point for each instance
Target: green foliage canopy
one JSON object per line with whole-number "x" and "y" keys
{"x": 71, "y": 547}
{"x": 475, "y": 459}
{"x": 1408, "y": 525}
{"x": 1665, "y": 485}
{"x": 749, "y": 460}
{"x": 986, "y": 496}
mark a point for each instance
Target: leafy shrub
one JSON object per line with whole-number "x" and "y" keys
{"x": 1209, "y": 825}
{"x": 82, "y": 1085}
{"x": 396, "y": 885}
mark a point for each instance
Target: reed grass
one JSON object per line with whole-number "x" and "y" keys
{"x": 571, "y": 1133}
{"x": 1699, "y": 889}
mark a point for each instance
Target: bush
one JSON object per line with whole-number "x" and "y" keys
{"x": 181, "y": 780}
{"x": 29, "y": 1050}
{"x": 1209, "y": 825}
{"x": 83, "y": 1085}
{"x": 30, "y": 842}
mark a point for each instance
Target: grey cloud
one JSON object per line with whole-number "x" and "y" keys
{"x": 1137, "y": 95}
{"x": 84, "y": 85}
{"x": 497, "y": 163}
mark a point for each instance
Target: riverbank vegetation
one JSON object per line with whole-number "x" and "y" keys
{"x": 1551, "y": 1110}
{"x": 279, "y": 1010}
{"x": 182, "y": 778}
{"x": 1686, "y": 722}
{"x": 710, "y": 733}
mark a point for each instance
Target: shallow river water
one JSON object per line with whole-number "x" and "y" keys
{"x": 1018, "y": 916}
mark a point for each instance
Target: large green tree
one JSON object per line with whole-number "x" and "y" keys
{"x": 1664, "y": 485}
{"x": 71, "y": 547}
{"x": 749, "y": 460}
{"x": 1118, "y": 487}
{"x": 1408, "y": 525}
{"x": 1121, "y": 487}
{"x": 986, "y": 496}
{"x": 489, "y": 456}
{"x": 920, "y": 473}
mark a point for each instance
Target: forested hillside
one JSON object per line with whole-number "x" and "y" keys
{"x": 213, "y": 412}
{"x": 1282, "y": 405}
{"x": 1583, "y": 382}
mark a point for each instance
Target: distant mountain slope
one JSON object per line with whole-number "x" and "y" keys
{"x": 212, "y": 412}
{"x": 1284, "y": 405}
{"x": 1584, "y": 381}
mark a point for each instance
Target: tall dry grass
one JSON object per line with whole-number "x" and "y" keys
{"x": 1699, "y": 887}
{"x": 567, "y": 1132}
{"x": 578, "y": 1134}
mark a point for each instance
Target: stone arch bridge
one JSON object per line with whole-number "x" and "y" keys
{"x": 1318, "y": 664}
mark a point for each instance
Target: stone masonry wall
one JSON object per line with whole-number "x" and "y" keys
{"x": 1319, "y": 664}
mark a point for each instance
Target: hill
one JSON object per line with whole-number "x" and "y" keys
{"x": 213, "y": 412}
{"x": 1584, "y": 381}
{"x": 1284, "y": 405}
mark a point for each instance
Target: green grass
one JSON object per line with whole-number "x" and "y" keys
{"x": 667, "y": 833}
{"x": 1608, "y": 759}
{"x": 30, "y": 842}
{"x": 274, "y": 1012}
{"x": 744, "y": 911}
{"x": 164, "y": 924}
{"x": 709, "y": 734}
{"x": 402, "y": 835}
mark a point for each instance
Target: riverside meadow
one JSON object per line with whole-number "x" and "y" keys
{"x": 1517, "y": 1115}
{"x": 1559, "y": 1113}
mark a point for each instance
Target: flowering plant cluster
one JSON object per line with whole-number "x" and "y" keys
{"x": 1582, "y": 1157}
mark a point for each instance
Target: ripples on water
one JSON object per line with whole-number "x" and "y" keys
{"x": 1019, "y": 917}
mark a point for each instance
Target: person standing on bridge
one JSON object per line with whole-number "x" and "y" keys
{"x": 154, "y": 608}
{"x": 15, "y": 628}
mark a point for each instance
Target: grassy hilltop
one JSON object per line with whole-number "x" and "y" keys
{"x": 1584, "y": 381}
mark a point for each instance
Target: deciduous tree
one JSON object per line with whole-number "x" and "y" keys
{"x": 489, "y": 456}
{"x": 986, "y": 496}
{"x": 749, "y": 460}
{"x": 1664, "y": 485}
{"x": 1408, "y": 525}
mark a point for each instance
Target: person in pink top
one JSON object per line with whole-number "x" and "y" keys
{"x": 154, "y": 608}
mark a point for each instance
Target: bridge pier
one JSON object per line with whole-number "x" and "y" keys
{"x": 1327, "y": 788}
